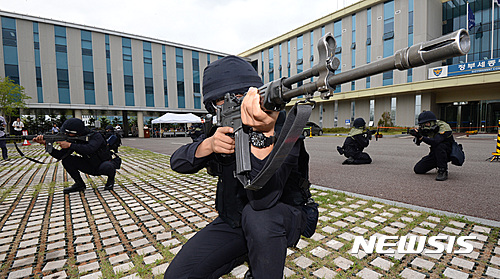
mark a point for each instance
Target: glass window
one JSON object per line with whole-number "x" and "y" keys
{"x": 393, "y": 110}
{"x": 179, "y": 64}
{"x": 165, "y": 87}
{"x": 418, "y": 107}
{"x": 271, "y": 63}
{"x": 196, "y": 80}
{"x": 128, "y": 75}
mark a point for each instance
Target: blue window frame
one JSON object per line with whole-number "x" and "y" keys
{"x": 388, "y": 38}
{"x": 148, "y": 74}
{"x": 337, "y": 34}
{"x": 9, "y": 38}
{"x": 179, "y": 69}
{"x": 38, "y": 68}
{"x": 271, "y": 63}
{"x": 88, "y": 67}
{"x": 128, "y": 75}
{"x": 164, "y": 63}
{"x": 108, "y": 71}
{"x": 196, "y": 80}
{"x": 289, "y": 65}
{"x": 62, "y": 65}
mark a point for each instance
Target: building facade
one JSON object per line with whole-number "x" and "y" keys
{"x": 468, "y": 97}
{"x": 87, "y": 72}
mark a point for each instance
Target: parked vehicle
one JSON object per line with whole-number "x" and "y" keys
{"x": 313, "y": 129}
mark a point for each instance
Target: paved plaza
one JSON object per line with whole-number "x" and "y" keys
{"x": 135, "y": 230}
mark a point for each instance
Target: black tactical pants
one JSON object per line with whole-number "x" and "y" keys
{"x": 75, "y": 164}
{"x": 359, "y": 157}
{"x": 218, "y": 248}
{"x": 3, "y": 146}
{"x": 437, "y": 158}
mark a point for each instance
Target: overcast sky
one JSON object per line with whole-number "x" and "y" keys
{"x": 228, "y": 26}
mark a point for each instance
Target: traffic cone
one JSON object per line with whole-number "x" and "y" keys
{"x": 26, "y": 142}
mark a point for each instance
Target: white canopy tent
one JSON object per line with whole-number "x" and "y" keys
{"x": 177, "y": 118}
{"x": 183, "y": 118}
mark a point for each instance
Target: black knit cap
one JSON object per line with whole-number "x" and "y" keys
{"x": 359, "y": 123}
{"x": 230, "y": 74}
{"x": 74, "y": 126}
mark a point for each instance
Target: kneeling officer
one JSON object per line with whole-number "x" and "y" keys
{"x": 439, "y": 136}
{"x": 94, "y": 159}
{"x": 357, "y": 140}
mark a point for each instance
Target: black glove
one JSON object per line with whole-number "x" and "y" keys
{"x": 415, "y": 133}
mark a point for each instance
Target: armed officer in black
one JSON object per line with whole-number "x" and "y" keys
{"x": 94, "y": 156}
{"x": 439, "y": 136}
{"x": 259, "y": 224}
{"x": 356, "y": 141}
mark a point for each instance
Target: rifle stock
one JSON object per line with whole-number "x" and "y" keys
{"x": 277, "y": 93}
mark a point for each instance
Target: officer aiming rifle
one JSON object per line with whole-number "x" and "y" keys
{"x": 276, "y": 94}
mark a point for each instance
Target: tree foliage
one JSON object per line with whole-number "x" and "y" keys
{"x": 12, "y": 98}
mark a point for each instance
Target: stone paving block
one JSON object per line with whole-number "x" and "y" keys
{"x": 369, "y": 224}
{"x": 28, "y": 243}
{"x": 86, "y": 257}
{"x": 88, "y": 267}
{"x": 370, "y": 210}
{"x": 351, "y": 219}
{"x": 175, "y": 250}
{"x": 495, "y": 260}
{"x": 379, "y": 219}
{"x": 114, "y": 249}
{"x": 134, "y": 234}
{"x": 146, "y": 250}
{"x": 340, "y": 224}
{"x": 493, "y": 272}
{"x": 406, "y": 219}
{"x": 347, "y": 236}
{"x": 481, "y": 229}
{"x": 123, "y": 267}
{"x": 160, "y": 269}
{"x": 452, "y": 230}
{"x": 317, "y": 237}
{"x": 55, "y": 254}
{"x": 343, "y": 263}
{"x": 424, "y": 264}
{"x": 83, "y": 239}
{"x": 85, "y": 247}
{"x": 324, "y": 218}
{"x": 57, "y": 275}
{"x": 153, "y": 258}
{"x": 303, "y": 262}
{"x": 26, "y": 252}
{"x": 171, "y": 243}
{"x": 360, "y": 214}
{"x": 23, "y": 262}
{"x": 302, "y": 244}
{"x": 320, "y": 252}
{"x": 325, "y": 273}
{"x": 428, "y": 224}
{"x": 462, "y": 263}
{"x": 54, "y": 265}
{"x": 386, "y": 214}
{"x": 390, "y": 230}
{"x": 497, "y": 250}
{"x": 457, "y": 224}
{"x": 480, "y": 237}
{"x": 473, "y": 255}
{"x": 345, "y": 210}
{"x": 421, "y": 231}
{"x": 23, "y": 273}
{"x": 367, "y": 273}
{"x": 359, "y": 230}
{"x": 382, "y": 263}
{"x": 455, "y": 274}
{"x": 411, "y": 274}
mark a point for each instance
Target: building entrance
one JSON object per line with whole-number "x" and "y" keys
{"x": 482, "y": 116}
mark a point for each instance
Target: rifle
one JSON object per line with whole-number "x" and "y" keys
{"x": 277, "y": 93}
{"x": 49, "y": 142}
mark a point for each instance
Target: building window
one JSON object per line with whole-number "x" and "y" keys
{"x": 148, "y": 74}
{"x": 311, "y": 59}
{"x": 108, "y": 71}
{"x": 368, "y": 41}
{"x": 418, "y": 107}
{"x": 300, "y": 56}
{"x": 281, "y": 66}
{"x": 196, "y": 80}
{"x": 353, "y": 48}
{"x": 322, "y": 31}
{"x": 88, "y": 67}
{"x": 38, "y": 68}
{"x": 262, "y": 65}
{"x": 337, "y": 34}
{"x": 62, "y": 65}
{"x": 393, "y": 110}
{"x": 409, "y": 73}
{"x": 388, "y": 38}
{"x": 179, "y": 67}
{"x": 289, "y": 65}
{"x": 353, "y": 111}
{"x": 372, "y": 111}
{"x": 128, "y": 76}
{"x": 164, "y": 63}
{"x": 271, "y": 63}
{"x": 9, "y": 38}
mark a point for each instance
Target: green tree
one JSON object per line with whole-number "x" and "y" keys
{"x": 385, "y": 121}
{"x": 12, "y": 98}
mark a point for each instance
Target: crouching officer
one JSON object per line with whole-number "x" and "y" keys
{"x": 94, "y": 156}
{"x": 439, "y": 136}
{"x": 357, "y": 140}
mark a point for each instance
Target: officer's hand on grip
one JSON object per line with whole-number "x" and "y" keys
{"x": 39, "y": 139}
{"x": 252, "y": 114}
{"x": 221, "y": 142}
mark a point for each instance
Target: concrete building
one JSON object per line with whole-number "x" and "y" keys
{"x": 88, "y": 72}
{"x": 464, "y": 91}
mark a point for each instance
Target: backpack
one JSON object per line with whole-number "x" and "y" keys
{"x": 114, "y": 142}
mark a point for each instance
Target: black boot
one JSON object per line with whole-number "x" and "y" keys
{"x": 110, "y": 183}
{"x": 77, "y": 187}
{"x": 442, "y": 175}
{"x": 248, "y": 275}
{"x": 348, "y": 161}
{"x": 340, "y": 150}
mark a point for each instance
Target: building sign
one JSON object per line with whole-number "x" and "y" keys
{"x": 465, "y": 68}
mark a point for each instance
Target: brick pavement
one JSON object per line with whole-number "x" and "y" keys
{"x": 136, "y": 230}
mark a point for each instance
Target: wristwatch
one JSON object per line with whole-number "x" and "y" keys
{"x": 259, "y": 140}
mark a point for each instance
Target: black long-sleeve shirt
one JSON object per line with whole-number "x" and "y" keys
{"x": 231, "y": 196}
